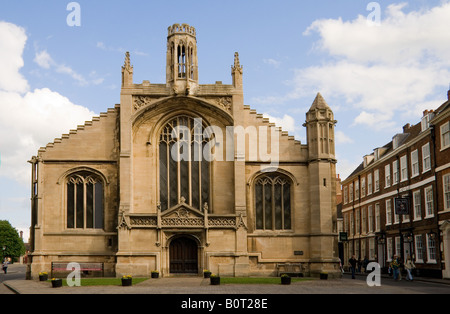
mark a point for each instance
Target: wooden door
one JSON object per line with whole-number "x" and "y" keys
{"x": 183, "y": 256}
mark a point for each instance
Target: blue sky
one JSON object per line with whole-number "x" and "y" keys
{"x": 376, "y": 77}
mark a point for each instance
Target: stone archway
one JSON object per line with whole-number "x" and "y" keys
{"x": 183, "y": 256}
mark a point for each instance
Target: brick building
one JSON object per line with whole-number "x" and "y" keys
{"x": 397, "y": 201}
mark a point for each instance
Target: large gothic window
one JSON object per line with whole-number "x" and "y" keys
{"x": 184, "y": 170}
{"x": 273, "y": 202}
{"x": 84, "y": 201}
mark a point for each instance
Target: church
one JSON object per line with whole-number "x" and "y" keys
{"x": 182, "y": 177}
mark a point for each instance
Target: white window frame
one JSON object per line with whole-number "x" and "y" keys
{"x": 388, "y": 212}
{"x": 364, "y": 220}
{"x": 446, "y": 191}
{"x": 398, "y": 247}
{"x": 429, "y": 202}
{"x": 357, "y": 221}
{"x": 363, "y": 187}
{"x": 387, "y": 175}
{"x": 415, "y": 163}
{"x": 369, "y": 184}
{"x": 345, "y": 194}
{"x": 377, "y": 180}
{"x": 389, "y": 249}
{"x": 356, "y": 190}
{"x": 430, "y": 258}
{"x": 377, "y": 217}
{"x": 417, "y": 205}
{"x": 371, "y": 249}
{"x": 445, "y": 135}
{"x": 352, "y": 226}
{"x": 418, "y": 244}
{"x": 370, "y": 215}
{"x": 403, "y": 168}
{"x": 426, "y": 158}
{"x": 395, "y": 175}
{"x": 350, "y": 192}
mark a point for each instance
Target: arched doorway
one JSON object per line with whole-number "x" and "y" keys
{"x": 183, "y": 254}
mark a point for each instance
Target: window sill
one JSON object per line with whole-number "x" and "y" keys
{"x": 428, "y": 217}
{"x": 431, "y": 262}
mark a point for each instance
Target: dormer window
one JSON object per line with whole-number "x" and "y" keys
{"x": 427, "y": 116}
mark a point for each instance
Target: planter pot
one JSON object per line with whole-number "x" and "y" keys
{"x": 207, "y": 274}
{"x": 155, "y": 275}
{"x": 324, "y": 276}
{"x": 57, "y": 283}
{"x": 285, "y": 280}
{"x": 127, "y": 282}
{"x": 215, "y": 281}
{"x": 43, "y": 277}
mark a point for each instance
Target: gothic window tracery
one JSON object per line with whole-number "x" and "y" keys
{"x": 184, "y": 171}
{"x": 273, "y": 202}
{"x": 84, "y": 201}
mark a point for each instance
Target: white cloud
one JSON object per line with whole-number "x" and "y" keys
{"x": 272, "y": 62}
{"x": 43, "y": 59}
{"x": 29, "y": 119}
{"x": 379, "y": 72}
{"x": 12, "y": 43}
{"x": 342, "y": 138}
{"x": 403, "y": 38}
{"x": 287, "y": 123}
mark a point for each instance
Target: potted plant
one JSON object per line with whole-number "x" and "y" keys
{"x": 285, "y": 279}
{"x": 43, "y": 276}
{"x": 214, "y": 280}
{"x": 323, "y": 275}
{"x": 56, "y": 283}
{"x": 206, "y": 274}
{"x": 155, "y": 274}
{"x": 127, "y": 281}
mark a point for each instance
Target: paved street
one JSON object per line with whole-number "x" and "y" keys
{"x": 15, "y": 279}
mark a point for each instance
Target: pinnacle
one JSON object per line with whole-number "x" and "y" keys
{"x": 319, "y": 103}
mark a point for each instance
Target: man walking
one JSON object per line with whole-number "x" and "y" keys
{"x": 352, "y": 261}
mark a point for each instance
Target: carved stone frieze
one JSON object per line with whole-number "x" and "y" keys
{"x": 182, "y": 222}
{"x": 224, "y": 103}
{"x": 143, "y": 221}
{"x": 143, "y": 101}
{"x": 222, "y": 222}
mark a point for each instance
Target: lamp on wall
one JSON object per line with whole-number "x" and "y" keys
{"x": 432, "y": 235}
{"x": 381, "y": 239}
{"x": 408, "y": 238}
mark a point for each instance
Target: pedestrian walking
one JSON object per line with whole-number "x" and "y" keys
{"x": 409, "y": 266}
{"x": 395, "y": 267}
{"x": 5, "y": 265}
{"x": 365, "y": 263}
{"x": 352, "y": 261}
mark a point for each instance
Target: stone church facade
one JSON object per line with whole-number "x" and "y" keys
{"x": 181, "y": 177}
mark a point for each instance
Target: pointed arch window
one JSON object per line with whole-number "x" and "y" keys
{"x": 184, "y": 170}
{"x": 181, "y": 52}
{"x": 84, "y": 201}
{"x": 273, "y": 202}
